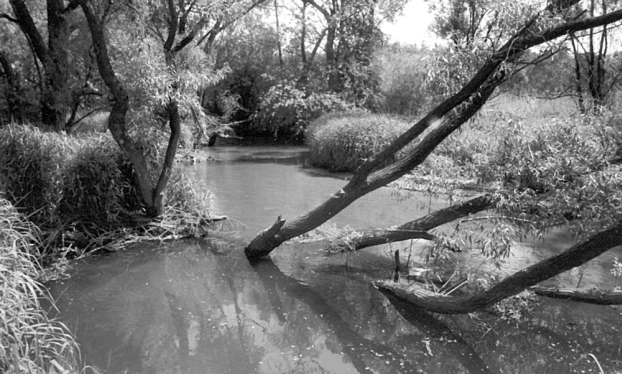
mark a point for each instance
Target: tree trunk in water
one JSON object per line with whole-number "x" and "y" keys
{"x": 613, "y": 297}
{"x": 445, "y": 119}
{"x": 575, "y": 256}
{"x": 417, "y": 229}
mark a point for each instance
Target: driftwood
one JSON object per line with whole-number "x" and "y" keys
{"x": 613, "y": 297}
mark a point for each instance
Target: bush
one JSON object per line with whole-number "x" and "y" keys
{"x": 30, "y": 162}
{"x": 82, "y": 183}
{"x": 343, "y": 141}
{"x": 29, "y": 341}
{"x": 403, "y": 74}
{"x": 95, "y": 189}
{"x": 285, "y": 112}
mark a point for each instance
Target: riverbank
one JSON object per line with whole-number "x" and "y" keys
{"x": 65, "y": 197}
{"x": 29, "y": 340}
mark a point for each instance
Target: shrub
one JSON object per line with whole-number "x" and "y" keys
{"x": 30, "y": 162}
{"x": 285, "y": 112}
{"x": 29, "y": 341}
{"x": 343, "y": 141}
{"x": 83, "y": 183}
{"x": 403, "y": 76}
{"x": 95, "y": 189}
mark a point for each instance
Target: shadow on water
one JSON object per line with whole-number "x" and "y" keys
{"x": 200, "y": 307}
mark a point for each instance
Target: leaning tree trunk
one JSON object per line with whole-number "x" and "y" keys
{"x": 445, "y": 119}
{"x": 416, "y": 229}
{"x": 120, "y": 106}
{"x": 613, "y": 297}
{"x": 512, "y": 285}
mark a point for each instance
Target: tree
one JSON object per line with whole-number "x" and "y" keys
{"x": 53, "y": 56}
{"x": 351, "y": 35}
{"x": 163, "y": 86}
{"x": 596, "y": 72}
{"x": 432, "y": 130}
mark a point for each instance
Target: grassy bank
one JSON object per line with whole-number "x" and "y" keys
{"x": 29, "y": 341}
{"x": 82, "y": 191}
{"x": 344, "y": 140}
{"x": 66, "y": 195}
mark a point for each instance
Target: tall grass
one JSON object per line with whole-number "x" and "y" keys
{"x": 343, "y": 141}
{"x": 29, "y": 341}
{"x": 84, "y": 186}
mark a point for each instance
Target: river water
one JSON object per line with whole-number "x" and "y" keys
{"x": 197, "y": 306}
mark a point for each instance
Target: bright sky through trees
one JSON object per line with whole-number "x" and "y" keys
{"x": 412, "y": 26}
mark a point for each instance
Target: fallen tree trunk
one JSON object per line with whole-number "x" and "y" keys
{"x": 416, "y": 229}
{"x": 613, "y": 297}
{"x": 444, "y": 120}
{"x": 510, "y": 286}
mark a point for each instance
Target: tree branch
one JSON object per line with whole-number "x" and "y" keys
{"x": 446, "y": 118}
{"x": 416, "y": 229}
{"x": 574, "y": 256}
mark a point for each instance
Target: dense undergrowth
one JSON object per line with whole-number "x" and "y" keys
{"x": 342, "y": 141}
{"x": 70, "y": 195}
{"x": 30, "y": 342}
{"x": 545, "y": 165}
{"x": 82, "y": 192}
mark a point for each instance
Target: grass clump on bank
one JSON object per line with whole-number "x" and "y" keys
{"x": 29, "y": 341}
{"x": 81, "y": 189}
{"x": 343, "y": 141}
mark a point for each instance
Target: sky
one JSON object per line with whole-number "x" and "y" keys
{"x": 412, "y": 26}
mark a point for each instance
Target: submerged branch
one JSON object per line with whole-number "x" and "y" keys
{"x": 512, "y": 285}
{"x": 416, "y": 229}
{"x": 613, "y": 297}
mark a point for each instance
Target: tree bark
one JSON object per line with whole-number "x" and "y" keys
{"x": 416, "y": 229}
{"x": 445, "y": 119}
{"x": 13, "y": 99}
{"x": 613, "y": 297}
{"x": 120, "y": 106}
{"x": 53, "y": 57}
{"x": 512, "y": 285}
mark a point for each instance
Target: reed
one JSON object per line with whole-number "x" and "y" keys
{"x": 30, "y": 342}
{"x": 83, "y": 185}
{"x": 343, "y": 141}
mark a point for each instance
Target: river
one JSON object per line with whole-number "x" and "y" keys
{"x": 197, "y": 306}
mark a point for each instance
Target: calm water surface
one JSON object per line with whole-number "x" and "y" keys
{"x": 197, "y": 306}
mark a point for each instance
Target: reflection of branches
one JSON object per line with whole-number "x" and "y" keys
{"x": 354, "y": 346}
{"x": 436, "y": 329}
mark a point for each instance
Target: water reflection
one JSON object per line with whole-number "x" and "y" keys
{"x": 200, "y": 307}
{"x": 186, "y": 308}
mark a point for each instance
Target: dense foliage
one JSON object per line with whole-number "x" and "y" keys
{"x": 30, "y": 342}
{"x": 343, "y": 141}
{"x": 81, "y": 183}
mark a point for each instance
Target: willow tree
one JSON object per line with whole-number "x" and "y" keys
{"x": 159, "y": 66}
{"x": 535, "y": 28}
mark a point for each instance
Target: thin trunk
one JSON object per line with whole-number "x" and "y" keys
{"x": 278, "y": 33}
{"x": 169, "y": 159}
{"x": 577, "y": 73}
{"x": 613, "y": 297}
{"x": 416, "y": 229}
{"x": 13, "y": 99}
